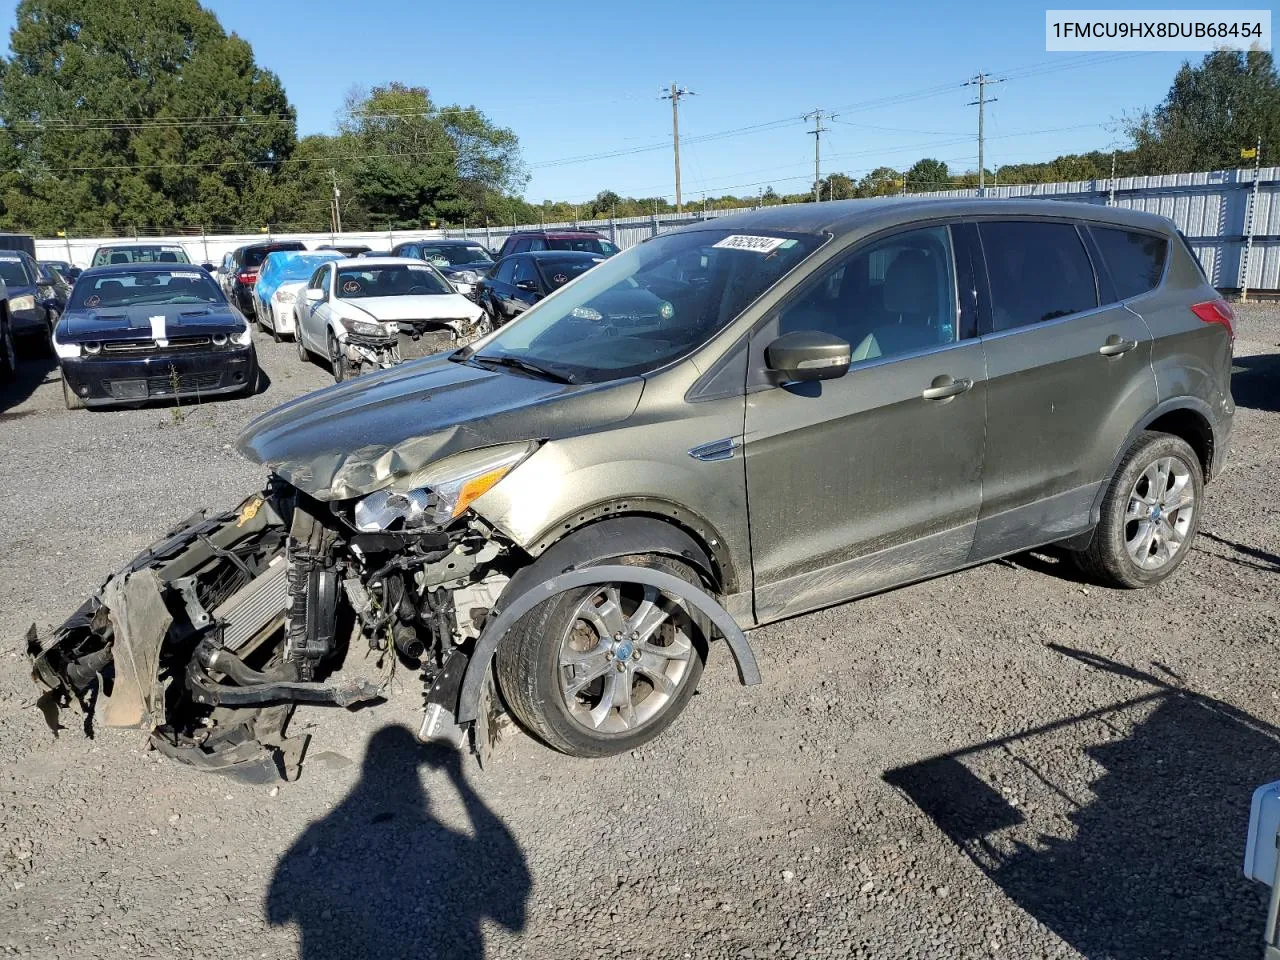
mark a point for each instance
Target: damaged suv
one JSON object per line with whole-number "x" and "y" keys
{"x": 818, "y": 402}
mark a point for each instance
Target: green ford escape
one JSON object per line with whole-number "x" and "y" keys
{"x": 740, "y": 421}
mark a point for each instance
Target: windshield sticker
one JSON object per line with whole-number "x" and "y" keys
{"x": 93, "y": 301}
{"x": 185, "y": 275}
{"x": 351, "y": 286}
{"x": 173, "y": 250}
{"x": 560, "y": 278}
{"x": 741, "y": 241}
{"x": 9, "y": 256}
{"x": 439, "y": 261}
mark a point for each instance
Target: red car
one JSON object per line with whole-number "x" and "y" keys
{"x": 582, "y": 241}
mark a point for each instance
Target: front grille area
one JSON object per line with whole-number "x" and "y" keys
{"x": 141, "y": 389}
{"x": 149, "y": 346}
{"x": 417, "y": 339}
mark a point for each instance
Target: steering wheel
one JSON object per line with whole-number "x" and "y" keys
{"x": 417, "y": 288}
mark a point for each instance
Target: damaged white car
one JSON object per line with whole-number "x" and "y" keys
{"x": 371, "y": 313}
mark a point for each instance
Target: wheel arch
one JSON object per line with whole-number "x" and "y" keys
{"x": 652, "y": 524}
{"x": 1188, "y": 418}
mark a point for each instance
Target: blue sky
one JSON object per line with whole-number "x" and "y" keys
{"x": 577, "y": 79}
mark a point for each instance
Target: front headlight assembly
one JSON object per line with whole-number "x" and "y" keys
{"x": 285, "y": 296}
{"x": 26, "y": 302}
{"x": 449, "y": 488}
{"x": 363, "y": 328}
{"x": 467, "y": 276}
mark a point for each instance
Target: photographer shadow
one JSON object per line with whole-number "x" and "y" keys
{"x": 380, "y": 876}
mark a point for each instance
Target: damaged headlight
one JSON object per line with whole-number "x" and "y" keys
{"x": 450, "y": 488}
{"x": 363, "y": 328}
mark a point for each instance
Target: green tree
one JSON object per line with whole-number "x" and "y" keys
{"x": 928, "y": 174}
{"x": 193, "y": 126}
{"x": 837, "y": 186}
{"x": 409, "y": 162}
{"x": 1210, "y": 112}
{"x": 880, "y": 182}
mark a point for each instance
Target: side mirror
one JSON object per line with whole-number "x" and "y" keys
{"x": 207, "y": 267}
{"x": 808, "y": 355}
{"x": 314, "y": 295}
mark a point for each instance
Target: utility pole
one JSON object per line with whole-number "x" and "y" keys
{"x": 1111, "y": 190}
{"x": 817, "y": 131}
{"x": 674, "y": 95}
{"x": 337, "y": 208}
{"x": 1251, "y": 220}
{"x": 980, "y": 81}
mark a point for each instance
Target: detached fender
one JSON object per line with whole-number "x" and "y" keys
{"x": 501, "y": 621}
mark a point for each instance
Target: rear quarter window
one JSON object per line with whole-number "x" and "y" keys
{"x": 1136, "y": 260}
{"x": 1038, "y": 271}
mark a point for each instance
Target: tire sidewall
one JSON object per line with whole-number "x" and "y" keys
{"x": 1112, "y": 526}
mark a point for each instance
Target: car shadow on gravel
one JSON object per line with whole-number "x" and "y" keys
{"x": 33, "y": 372}
{"x": 1255, "y": 381}
{"x": 1144, "y": 861}
{"x": 381, "y": 876}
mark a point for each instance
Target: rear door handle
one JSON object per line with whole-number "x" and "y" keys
{"x": 1116, "y": 345}
{"x": 944, "y": 387}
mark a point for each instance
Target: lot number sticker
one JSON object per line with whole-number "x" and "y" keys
{"x": 741, "y": 241}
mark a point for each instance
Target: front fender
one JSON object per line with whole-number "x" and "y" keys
{"x": 500, "y": 621}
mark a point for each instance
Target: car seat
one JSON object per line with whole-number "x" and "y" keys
{"x": 910, "y": 293}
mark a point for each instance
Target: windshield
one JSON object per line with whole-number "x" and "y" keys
{"x": 144, "y": 287}
{"x": 393, "y": 280}
{"x": 454, "y": 254}
{"x": 650, "y": 305}
{"x": 556, "y": 272}
{"x": 14, "y": 273}
{"x": 142, "y": 253}
{"x": 584, "y": 244}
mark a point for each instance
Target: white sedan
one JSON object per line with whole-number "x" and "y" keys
{"x": 370, "y": 313}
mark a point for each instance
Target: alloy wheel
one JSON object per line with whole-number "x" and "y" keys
{"x": 623, "y": 657}
{"x": 1161, "y": 509}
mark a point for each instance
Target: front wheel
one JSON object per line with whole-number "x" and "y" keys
{"x": 71, "y": 398}
{"x": 303, "y": 354}
{"x": 600, "y": 670}
{"x": 338, "y": 360}
{"x": 1150, "y": 514}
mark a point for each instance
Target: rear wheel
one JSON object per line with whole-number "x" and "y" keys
{"x": 603, "y": 669}
{"x": 1149, "y": 516}
{"x": 70, "y": 397}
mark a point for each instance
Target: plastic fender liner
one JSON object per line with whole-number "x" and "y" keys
{"x": 498, "y": 625}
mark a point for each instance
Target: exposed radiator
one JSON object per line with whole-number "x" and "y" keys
{"x": 254, "y": 606}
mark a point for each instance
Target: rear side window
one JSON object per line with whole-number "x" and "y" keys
{"x": 1136, "y": 260}
{"x": 1038, "y": 271}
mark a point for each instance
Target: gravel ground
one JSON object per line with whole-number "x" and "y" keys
{"x": 1003, "y": 762}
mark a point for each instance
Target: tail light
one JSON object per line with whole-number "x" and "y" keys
{"x": 246, "y": 278}
{"x": 1217, "y": 311}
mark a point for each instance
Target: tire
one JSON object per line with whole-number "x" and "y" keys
{"x": 1135, "y": 510}
{"x": 71, "y": 398}
{"x": 530, "y": 667}
{"x": 338, "y": 359}
{"x": 275, "y": 326}
{"x": 8, "y": 352}
{"x": 303, "y": 353}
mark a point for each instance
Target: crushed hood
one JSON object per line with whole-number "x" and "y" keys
{"x": 438, "y": 306}
{"x": 356, "y": 437}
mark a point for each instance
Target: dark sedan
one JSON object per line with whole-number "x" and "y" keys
{"x": 32, "y": 304}
{"x": 464, "y": 262}
{"x": 136, "y": 332}
{"x": 521, "y": 280}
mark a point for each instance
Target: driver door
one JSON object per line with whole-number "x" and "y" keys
{"x": 872, "y": 479}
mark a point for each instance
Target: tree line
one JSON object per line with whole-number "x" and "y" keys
{"x": 117, "y": 116}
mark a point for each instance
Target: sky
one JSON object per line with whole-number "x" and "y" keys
{"x": 578, "y": 80}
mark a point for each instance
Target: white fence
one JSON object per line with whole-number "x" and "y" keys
{"x": 1212, "y": 209}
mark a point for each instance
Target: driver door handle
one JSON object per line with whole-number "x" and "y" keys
{"x": 944, "y": 387}
{"x": 1116, "y": 345}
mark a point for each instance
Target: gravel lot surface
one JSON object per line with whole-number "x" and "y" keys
{"x": 1006, "y": 762}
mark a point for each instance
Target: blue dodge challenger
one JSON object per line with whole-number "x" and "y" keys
{"x": 144, "y": 331}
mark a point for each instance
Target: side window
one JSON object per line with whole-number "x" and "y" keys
{"x": 506, "y": 271}
{"x": 893, "y": 296}
{"x": 317, "y": 279}
{"x": 1135, "y": 260}
{"x": 525, "y": 271}
{"x": 1038, "y": 271}
{"x": 537, "y": 243}
{"x": 521, "y": 245}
